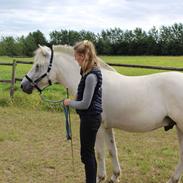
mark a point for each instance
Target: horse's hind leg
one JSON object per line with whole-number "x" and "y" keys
{"x": 179, "y": 169}
{"x": 110, "y": 140}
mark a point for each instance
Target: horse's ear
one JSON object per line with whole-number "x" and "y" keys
{"x": 43, "y": 50}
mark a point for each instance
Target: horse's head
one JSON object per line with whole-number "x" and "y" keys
{"x": 42, "y": 72}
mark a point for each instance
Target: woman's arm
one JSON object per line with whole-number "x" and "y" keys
{"x": 90, "y": 84}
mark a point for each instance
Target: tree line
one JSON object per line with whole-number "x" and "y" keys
{"x": 167, "y": 40}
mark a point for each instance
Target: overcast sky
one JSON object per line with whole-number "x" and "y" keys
{"x": 19, "y": 17}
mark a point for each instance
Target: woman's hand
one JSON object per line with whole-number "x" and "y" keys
{"x": 66, "y": 102}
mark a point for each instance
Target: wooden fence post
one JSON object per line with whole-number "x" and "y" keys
{"x": 13, "y": 78}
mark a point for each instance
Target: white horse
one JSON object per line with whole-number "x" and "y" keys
{"x": 134, "y": 104}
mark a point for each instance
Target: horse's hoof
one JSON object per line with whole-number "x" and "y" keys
{"x": 115, "y": 177}
{"x": 112, "y": 181}
{"x": 100, "y": 179}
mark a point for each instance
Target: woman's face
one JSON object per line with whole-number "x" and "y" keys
{"x": 79, "y": 57}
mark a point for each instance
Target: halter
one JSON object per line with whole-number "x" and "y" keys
{"x": 35, "y": 83}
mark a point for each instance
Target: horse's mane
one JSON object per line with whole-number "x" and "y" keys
{"x": 70, "y": 51}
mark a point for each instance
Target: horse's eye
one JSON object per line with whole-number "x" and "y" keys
{"x": 37, "y": 68}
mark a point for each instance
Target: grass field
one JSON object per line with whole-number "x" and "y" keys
{"x": 33, "y": 146}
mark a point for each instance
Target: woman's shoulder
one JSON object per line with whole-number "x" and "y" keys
{"x": 91, "y": 77}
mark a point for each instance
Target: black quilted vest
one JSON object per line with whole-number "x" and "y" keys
{"x": 95, "y": 107}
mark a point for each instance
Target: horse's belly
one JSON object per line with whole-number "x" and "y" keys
{"x": 137, "y": 126}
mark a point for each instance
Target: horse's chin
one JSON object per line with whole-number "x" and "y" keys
{"x": 28, "y": 92}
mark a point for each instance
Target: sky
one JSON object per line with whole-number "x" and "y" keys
{"x": 19, "y": 17}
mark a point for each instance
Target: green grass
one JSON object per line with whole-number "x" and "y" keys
{"x": 59, "y": 92}
{"x": 34, "y": 147}
{"x": 143, "y": 60}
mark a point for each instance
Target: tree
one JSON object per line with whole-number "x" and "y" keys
{"x": 8, "y": 46}
{"x": 64, "y": 37}
{"x": 168, "y": 40}
{"x": 31, "y": 42}
{"x": 87, "y": 35}
{"x": 30, "y": 45}
{"x": 39, "y": 38}
{"x": 153, "y": 42}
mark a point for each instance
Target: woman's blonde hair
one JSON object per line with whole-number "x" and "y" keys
{"x": 87, "y": 48}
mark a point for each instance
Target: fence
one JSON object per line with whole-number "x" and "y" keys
{"x": 13, "y": 75}
{"x": 14, "y": 64}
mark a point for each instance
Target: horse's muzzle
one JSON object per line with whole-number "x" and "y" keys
{"x": 27, "y": 88}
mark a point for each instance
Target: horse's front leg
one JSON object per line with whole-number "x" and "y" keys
{"x": 100, "y": 151}
{"x": 179, "y": 169}
{"x": 110, "y": 140}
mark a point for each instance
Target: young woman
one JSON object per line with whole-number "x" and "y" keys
{"x": 88, "y": 104}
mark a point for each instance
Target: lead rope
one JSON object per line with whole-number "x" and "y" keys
{"x": 69, "y": 124}
{"x": 66, "y": 111}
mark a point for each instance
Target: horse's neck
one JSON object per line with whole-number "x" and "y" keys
{"x": 68, "y": 72}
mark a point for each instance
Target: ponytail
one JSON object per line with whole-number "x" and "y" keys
{"x": 87, "y": 48}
